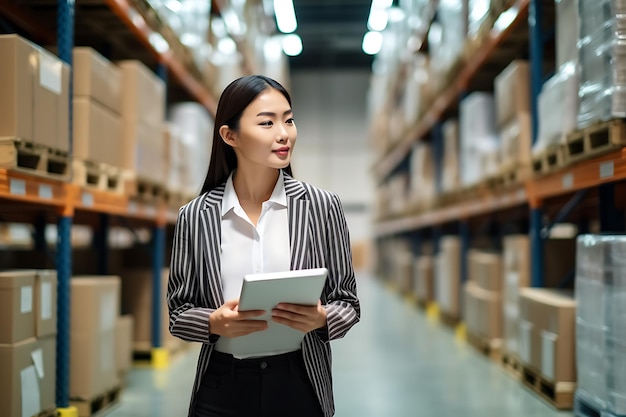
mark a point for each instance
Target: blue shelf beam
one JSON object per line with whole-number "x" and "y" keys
{"x": 536, "y": 245}
{"x": 101, "y": 244}
{"x": 464, "y": 236}
{"x": 537, "y": 46}
{"x": 611, "y": 219}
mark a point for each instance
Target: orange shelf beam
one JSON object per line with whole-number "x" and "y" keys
{"x": 482, "y": 205}
{"x": 450, "y": 95}
{"x": 140, "y": 28}
{"x": 20, "y": 187}
{"x": 586, "y": 174}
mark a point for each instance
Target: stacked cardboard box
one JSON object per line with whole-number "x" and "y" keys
{"x": 601, "y": 321}
{"x": 602, "y": 60}
{"x": 516, "y": 275}
{"x": 143, "y": 115}
{"x": 479, "y": 146}
{"x": 27, "y": 342}
{"x": 97, "y": 108}
{"x": 450, "y": 176}
{"x": 423, "y": 279}
{"x": 422, "y": 177}
{"x": 448, "y": 276}
{"x": 94, "y": 311}
{"x": 137, "y": 303}
{"x": 547, "y": 337}
{"x": 512, "y": 91}
{"x": 34, "y": 102}
{"x": 483, "y": 295}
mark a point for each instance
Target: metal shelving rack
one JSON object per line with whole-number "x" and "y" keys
{"x": 27, "y": 198}
{"x": 556, "y": 195}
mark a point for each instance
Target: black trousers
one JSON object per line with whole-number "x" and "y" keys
{"x": 273, "y": 386}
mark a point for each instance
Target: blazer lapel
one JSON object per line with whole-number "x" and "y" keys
{"x": 298, "y": 211}
{"x": 211, "y": 232}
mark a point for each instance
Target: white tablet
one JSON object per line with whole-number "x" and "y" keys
{"x": 264, "y": 292}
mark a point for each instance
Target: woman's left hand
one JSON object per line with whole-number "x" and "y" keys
{"x": 302, "y": 318}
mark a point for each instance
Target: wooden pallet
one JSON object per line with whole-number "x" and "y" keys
{"x": 99, "y": 176}
{"x": 549, "y": 161}
{"x": 512, "y": 365}
{"x": 52, "y": 412}
{"x": 491, "y": 348}
{"x": 559, "y": 394}
{"x": 97, "y": 405}
{"x": 148, "y": 191}
{"x": 597, "y": 139}
{"x": 448, "y": 319}
{"x": 34, "y": 159}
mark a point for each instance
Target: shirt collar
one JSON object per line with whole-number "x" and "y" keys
{"x": 231, "y": 201}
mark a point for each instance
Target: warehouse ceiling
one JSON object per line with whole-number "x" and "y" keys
{"x": 332, "y": 32}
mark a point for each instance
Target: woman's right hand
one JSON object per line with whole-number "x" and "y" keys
{"x": 228, "y": 321}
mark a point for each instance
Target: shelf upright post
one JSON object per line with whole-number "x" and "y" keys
{"x": 64, "y": 276}
{"x": 438, "y": 151}
{"x": 160, "y": 357}
{"x": 101, "y": 243}
{"x": 611, "y": 219}
{"x": 536, "y": 244}
{"x": 464, "y": 236}
{"x": 65, "y": 44}
{"x": 40, "y": 233}
{"x": 537, "y": 41}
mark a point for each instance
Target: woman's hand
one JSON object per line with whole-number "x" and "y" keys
{"x": 302, "y": 318}
{"x": 227, "y": 321}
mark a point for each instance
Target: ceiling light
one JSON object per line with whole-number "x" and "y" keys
{"x": 285, "y": 16}
{"x": 377, "y": 20}
{"x": 372, "y": 43}
{"x": 227, "y": 46}
{"x": 292, "y": 45}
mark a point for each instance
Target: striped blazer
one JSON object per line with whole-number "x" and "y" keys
{"x": 318, "y": 237}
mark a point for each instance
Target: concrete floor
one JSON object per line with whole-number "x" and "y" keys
{"x": 394, "y": 363}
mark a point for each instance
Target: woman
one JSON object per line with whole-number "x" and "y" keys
{"x": 250, "y": 217}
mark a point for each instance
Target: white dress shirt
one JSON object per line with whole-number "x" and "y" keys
{"x": 248, "y": 249}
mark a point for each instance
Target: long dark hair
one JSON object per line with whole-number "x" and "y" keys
{"x": 233, "y": 101}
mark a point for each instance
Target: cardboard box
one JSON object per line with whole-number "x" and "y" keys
{"x": 28, "y": 377}
{"x": 47, "y": 384}
{"x": 137, "y": 302}
{"x": 516, "y": 270}
{"x": 486, "y": 270}
{"x": 424, "y": 279}
{"x": 516, "y": 141}
{"x": 46, "y": 303}
{"x": 483, "y": 312}
{"x": 143, "y": 95}
{"x": 97, "y": 78}
{"x": 512, "y": 91}
{"x": 448, "y": 276}
{"x": 95, "y": 304}
{"x": 552, "y": 316}
{"x": 51, "y": 102}
{"x": 124, "y": 329}
{"x": 93, "y": 369}
{"x": 97, "y": 133}
{"x": 17, "y": 299}
{"x": 17, "y": 83}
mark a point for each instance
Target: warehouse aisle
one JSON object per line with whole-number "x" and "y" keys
{"x": 395, "y": 363}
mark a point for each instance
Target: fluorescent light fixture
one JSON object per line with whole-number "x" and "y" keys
{"x": 396, "y": 14}
{"x": 377, "y": 20}
{"x": 158, "y": 42}
{"x": 232, "y": 22}
{"x": 292, "y": 45}
{"x": 227, "y": 46}
{"x": 191, "y": 40}
{"x": 273, "y": 49}
{"x": 285, "y": 16}
{"x": 372, "y": 43}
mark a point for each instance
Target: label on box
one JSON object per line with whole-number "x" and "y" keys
{"x": 607, "y": 170}
{"x": 46, "y": 301}
{"x": 568, "y": 181}
{"x": 548, "y": 346}
{"x": 87, "y": 199}
{"x": 37, "y": 357}
{"x": 107, "y": 311}
{"x": 31, "y": 400}
{"x": 525, "y": 330}
{"x": 50, "y": 72}
{"x": 26, "y": 299}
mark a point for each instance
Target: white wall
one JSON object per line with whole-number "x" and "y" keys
{"x": 332, "y": 151}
